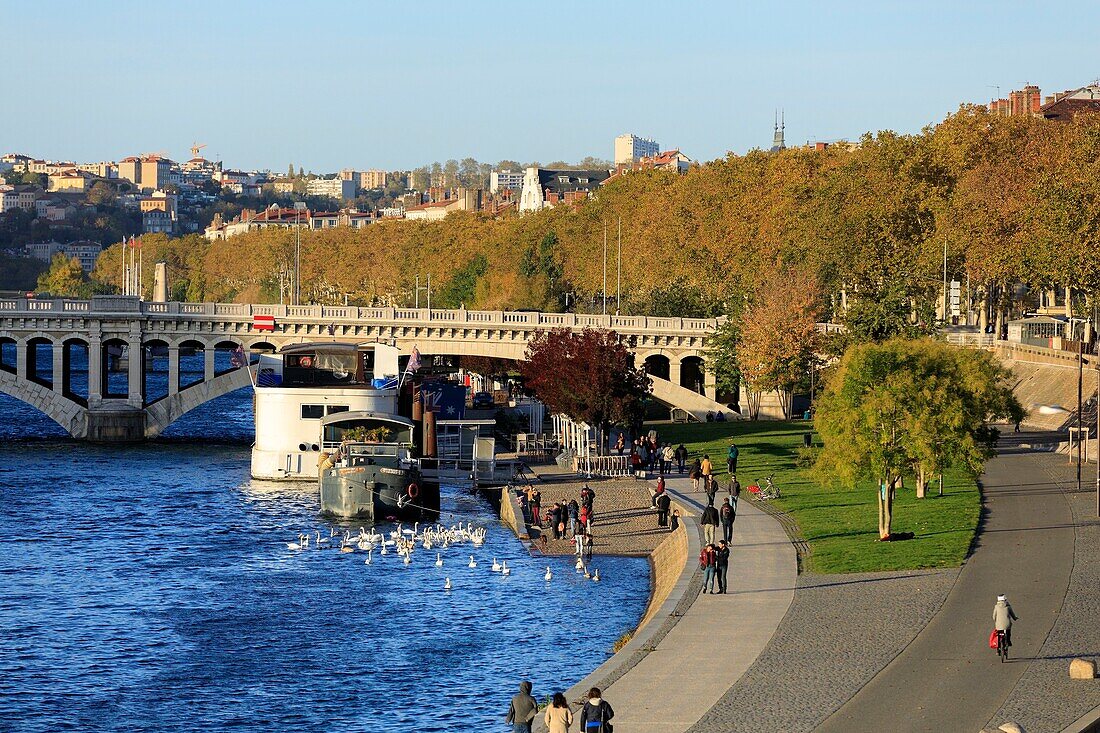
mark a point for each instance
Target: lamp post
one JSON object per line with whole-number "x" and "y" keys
{"x": 299, "y": 207}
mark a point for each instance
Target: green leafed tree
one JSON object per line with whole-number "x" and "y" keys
{"x": 910, "y": 405}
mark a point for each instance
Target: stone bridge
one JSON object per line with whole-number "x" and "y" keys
{"x": 118, "y": 368}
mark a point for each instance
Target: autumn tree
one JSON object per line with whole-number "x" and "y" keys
{"x": 777, "y": 337}
{"x": 589, "y": 376}
{"x": 902, "y": 405}
{"x": 65, "y": 278}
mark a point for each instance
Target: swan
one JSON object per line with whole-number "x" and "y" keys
{"x": 472, "y": 564}
{"x": 447, "y": 585}
{"x": 296, "y": 545}
{"x": 587, "y": 574}
{"x": 384, "y": 548}
{"x": 347, "y": 548}
{"x": 438, "y": 560}
{"x": 504, "y": 569}
{"x": 596, "y": 575}
{"x": 496, "y": 566}
{"x": 579, "y": 567}
{"x": 367, "y": 561}
{"x": 548, "y": 575}
{"x": 407, "y": 558}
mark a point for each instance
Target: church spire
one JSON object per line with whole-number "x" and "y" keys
{"x": 780, "y": 127}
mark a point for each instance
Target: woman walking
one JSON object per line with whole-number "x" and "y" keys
{"x": 558, "y": 716}
{"x": 596, "y": 714}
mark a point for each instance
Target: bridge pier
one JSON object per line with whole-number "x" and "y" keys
{"x": 59, "y": 371}
{"x": 21, "y": 359}
{"x": 116, "y": 421}
{"x": 173, "y": 369}
{"x": 95, "y": 371}
{"x": 135, "y": 372}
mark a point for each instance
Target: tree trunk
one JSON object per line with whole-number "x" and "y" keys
{"x": 753, "y": 396}
{"x": 888, "y": 510}
{"x": 786, "y": 399}
{"x": 922, "y": 482}
{"x": 881, "y": 509}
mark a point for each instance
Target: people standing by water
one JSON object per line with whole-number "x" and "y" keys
{"x": 663, "y": 505}
{"x": 536, "y": 506}
{"x": 709, "y": 520}
{"x": 522, "y": 710}
{"x": 573, "y": 510}
{"x": 727, "y": 514}
{"x": 596, "y": 714}
{"x": 681, "y": 453}
{"x": 708, "y": 563}
{"x": 558, "y": 716}
{"x": 722, "y": 564}
{"x": 556, "y": 523}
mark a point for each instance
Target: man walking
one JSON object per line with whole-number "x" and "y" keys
{"x": 522, "y": 710}
{"x": 722, "y": 564}
{"x": 731, "y": 459}
{"x": 705, "y": 469}
{"x": 681, "y": 457}
{"x": 727, "y": 514}
{"x": 709, "y": 520}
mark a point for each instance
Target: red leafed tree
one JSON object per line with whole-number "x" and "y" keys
{"x": 589, "y": 376}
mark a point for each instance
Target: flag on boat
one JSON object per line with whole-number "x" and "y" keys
{"x": 237, "y": 358}
{"x": 414, "y": 361}
{"x": 447, "y": 401}
{"x": 263, "y": 323}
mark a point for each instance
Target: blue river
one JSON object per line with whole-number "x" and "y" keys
{"x": 149, "y": 588}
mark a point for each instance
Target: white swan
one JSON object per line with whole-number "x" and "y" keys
{"x": 587, "y": 574}
{"x": 447, "y": 585}
{"x": 367, "y": 561}
{"x": 472, "y": 563}
{"x": 321, "y": 539}
{"x": 596, "y": 575}
{"x": 504, "y": 569}
{"x": 579, "y": 567}
{"x": 296, "y": 545}
{"x": 384, "y": 551}
{"x": 438, "y": 560}
{"x": 496, "y": 566}
{"x": 548, "y": 575}
{"x": 407, "y": 558}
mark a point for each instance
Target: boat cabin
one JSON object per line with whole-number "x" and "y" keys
{"x": 331, "y": 364}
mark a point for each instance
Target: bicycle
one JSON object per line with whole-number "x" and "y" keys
{"x": 768, "y": 491}
{"x": 1002, "y": 646}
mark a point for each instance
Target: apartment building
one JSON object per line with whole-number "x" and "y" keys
{"x": 500, "y": 180}
{"x": 629, "y": 148}
{"x": 336, "y": 188}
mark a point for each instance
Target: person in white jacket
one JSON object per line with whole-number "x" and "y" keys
{"x": 1003, "y": 616}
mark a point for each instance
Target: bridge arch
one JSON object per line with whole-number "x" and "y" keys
{"x": 692, "y": 374}
{"x": 39, "y": 360}
{"x": 657, "y": 365}
{"x": 70, "y": 415}
{"x": 8, "y": 354}
{"x": 192, "y": 359}
{"x": 155, "y": 381}
{"x": 75, "y": 371}
{"x": 114, "y": 381}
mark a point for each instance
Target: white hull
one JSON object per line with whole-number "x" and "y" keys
{"x": 288, "y": 426}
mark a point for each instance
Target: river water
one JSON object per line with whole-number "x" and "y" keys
{"x": 149, "y": 588}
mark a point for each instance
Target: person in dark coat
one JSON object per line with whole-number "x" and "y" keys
{"x": 556, "y": 520}
{"x": 522, "y": 710}
{"x": 536, "y": 506}
{"x": 675, "y": 520}
{"x": 596, "y": 714}
{"x": 727, "y": 514}
{"x": 722, "y": 564}
{"x": 709, "y": 520}
{"x": 664, "y": 503}
{"x": 681, "y": 457}
{"x": 573, "y": 510}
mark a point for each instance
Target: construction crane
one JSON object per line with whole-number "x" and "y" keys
{"x": 195, "y": 148}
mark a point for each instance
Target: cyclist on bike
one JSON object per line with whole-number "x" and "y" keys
{"x": 1003, "y": 616}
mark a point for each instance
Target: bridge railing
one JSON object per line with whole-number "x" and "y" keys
{"x": 111, "y": 304}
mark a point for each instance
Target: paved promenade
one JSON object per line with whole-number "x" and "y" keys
{"x": 948, "y": 678}
{"x": 719, "y": 637}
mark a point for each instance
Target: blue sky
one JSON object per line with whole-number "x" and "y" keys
{"x": 395, "y": 85}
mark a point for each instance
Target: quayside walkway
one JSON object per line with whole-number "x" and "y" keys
{"x": 668, "y": 686}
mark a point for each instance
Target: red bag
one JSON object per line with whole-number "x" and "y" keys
{"x": 993, "y": 639}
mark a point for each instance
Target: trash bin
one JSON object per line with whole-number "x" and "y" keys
{"x": 808, "y": 439}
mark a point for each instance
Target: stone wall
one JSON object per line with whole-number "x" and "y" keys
{"x": 511, "y": 513}
{"x": 666, "y": 564}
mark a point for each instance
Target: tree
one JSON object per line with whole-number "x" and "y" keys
{"x": 902, "y": 404}
{"x": 65, "y": 277}
{"x": 778, "y": 336}
{"x": 590, "y": 376}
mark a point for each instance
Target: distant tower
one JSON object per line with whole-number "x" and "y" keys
{"x": 777, "y": 139}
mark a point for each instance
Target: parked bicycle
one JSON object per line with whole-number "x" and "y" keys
{"x": 766, "y": 492}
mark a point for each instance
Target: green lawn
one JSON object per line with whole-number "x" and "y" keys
{"x": 840, "y": 522}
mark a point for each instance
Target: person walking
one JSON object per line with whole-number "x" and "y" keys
{"x": 681, "y": 453}
{"x": 1003, "y": 616}
{"x": 708, "y": 563}
{"x": 722, "y": 564}
{"x": 727, "y": 514}
{"x": 522, "y": 710}
{"x": 596, "y": 714}
{"x": 668, "y": 455}
{"x": 734, "y": 492}
{"x": 664, "y": 503}
{"x": 705, "y": 469}
{"x": 695, "y": 473}
{"x": 558, "y": 716}
{"x": 731, "y": 459}
{"x": 709, "y": 520}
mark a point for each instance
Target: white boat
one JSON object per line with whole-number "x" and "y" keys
{"x": 305, "y": 383}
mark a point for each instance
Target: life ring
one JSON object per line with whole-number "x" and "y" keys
{"x": 305, "y": 362}
{"x": 413, "y": 491}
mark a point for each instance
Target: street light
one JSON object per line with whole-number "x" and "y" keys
{"x": 299, "y": 207}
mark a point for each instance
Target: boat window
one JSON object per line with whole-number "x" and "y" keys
{"x": 340, "y": 364}
{"x": 313, "y": 412}
{"x": 337, "y": 408}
